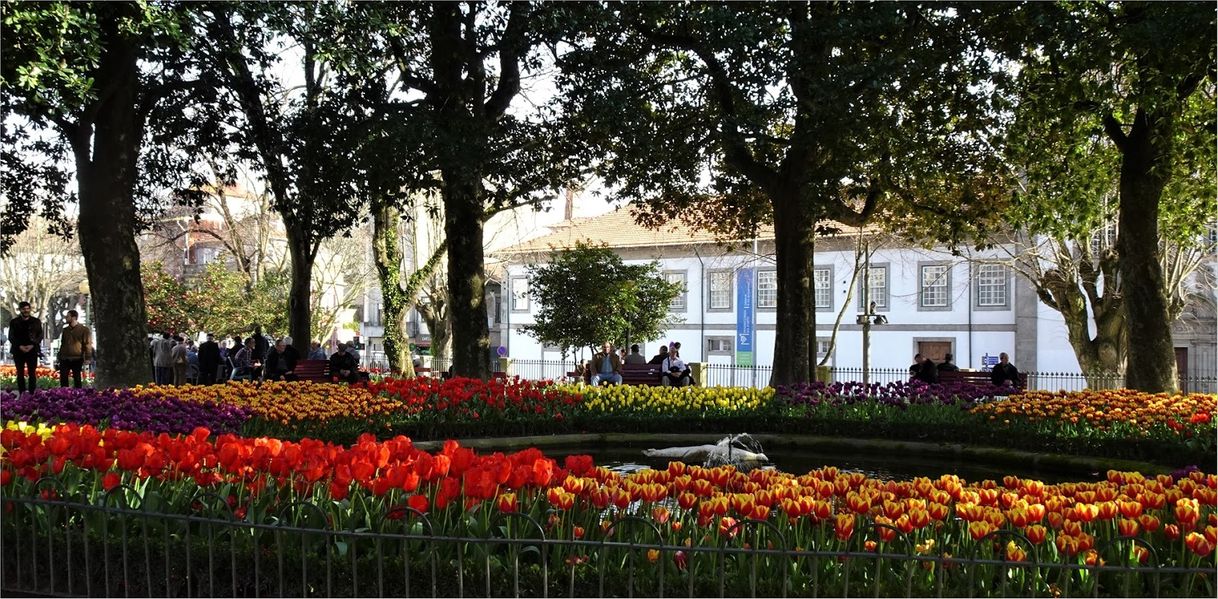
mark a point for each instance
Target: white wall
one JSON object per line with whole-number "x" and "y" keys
{"x": 893, "y": 345}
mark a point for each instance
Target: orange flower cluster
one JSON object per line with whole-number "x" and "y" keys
{"x": 285, "y": 402}
{"x": 1102, "y": 409}
{"x": 42, "y": 372}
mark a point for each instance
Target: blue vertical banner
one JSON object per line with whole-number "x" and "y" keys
{"x": 745, "y": 325}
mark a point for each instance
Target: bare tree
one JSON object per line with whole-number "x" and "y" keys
{"x": 40, "y": 266}
{"x": 341, "y": 274}
{"x": 1079, "y": 278}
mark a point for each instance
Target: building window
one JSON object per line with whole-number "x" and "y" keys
{"x": 822, "y": 283}
{"x": 878, "y": 288}
{"x": 719, "y": 346}
{"x": 720, "y": 283}
{"x": 992, "y": 286}
{"x": 935, "y": 286}
{"x": 678, "y": 304}
{"x": 520, "y": 294}
{"x": 822, "y": 347}
{"x": 767, "y": 289}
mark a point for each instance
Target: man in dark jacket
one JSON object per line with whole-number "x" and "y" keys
{"x": 25, "y": 335}
{"x": 343, "y": 365}
{"x": 924, "y": 369}
{"x": 209, "y": 360}
{"x": 1004, "y": 373}
{"x": 659, "y": 358}
{"x": 948, "y": 365}
{"x": 281, "y": 362}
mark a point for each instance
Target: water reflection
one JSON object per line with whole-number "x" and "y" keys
{"x": 626, "y": 459}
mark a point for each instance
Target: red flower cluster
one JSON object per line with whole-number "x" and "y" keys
{"x": 303, "y": 467}
{"x": 474, "y": 398}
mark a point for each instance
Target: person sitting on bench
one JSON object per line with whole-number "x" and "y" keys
{"x": 606, "y": 366}
{"x": 343, "y": 366}
{"x": 675, "y": 371}
{"x": 281, "y": 361}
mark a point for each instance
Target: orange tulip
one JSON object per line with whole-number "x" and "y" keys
{"x": 843, "y": 527}
{"x": 1036, "y": 534}
{"x": 1127, "y": 527}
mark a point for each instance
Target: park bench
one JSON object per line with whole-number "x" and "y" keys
{"x": 977, "y": 378}
{"x": 641, "y": 374}
{"x": 317, "y": 371}
{"x": 632, "y": 374}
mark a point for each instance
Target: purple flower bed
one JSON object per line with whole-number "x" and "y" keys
{"x": 121, "y": 409}
{"x": 896, "y": 394}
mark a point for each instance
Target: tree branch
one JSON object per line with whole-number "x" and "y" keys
{"x": 1115, "y": 132}
{"x": 511, "y": 50}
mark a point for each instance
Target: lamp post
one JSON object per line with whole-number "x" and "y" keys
{"x": 869, "y": 317}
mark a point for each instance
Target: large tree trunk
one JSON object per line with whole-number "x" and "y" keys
{"x": 795, "y": 340}
{"x": 301, "y": 290}
{"x": 105, "y": 175}
{"x": 1144, "y": 174}
{"x": 466, "y": 282}
{"x": 388, "y": 258}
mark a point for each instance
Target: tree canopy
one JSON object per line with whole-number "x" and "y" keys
{"x": 1112, "y": 121}
{"x": 587, "y": 295}
{"x": 729, "y": 115}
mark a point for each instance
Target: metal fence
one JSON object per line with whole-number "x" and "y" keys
{"x": 60, "y": 548}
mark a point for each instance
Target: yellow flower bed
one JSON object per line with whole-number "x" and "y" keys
{"x": 672, "y": 400}
{"x": 1104, "y": 408}
{"x": 285, "y": 402}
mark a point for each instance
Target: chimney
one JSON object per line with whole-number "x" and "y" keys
{"x": 569, "y": 208}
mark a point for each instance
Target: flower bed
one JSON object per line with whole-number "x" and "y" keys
{"x": 45, "y": 378}
{"x": 1173, "y": 430}
{"x": 1105, "y": 409}
{"x": 125, "y": 408}
{"x": 381, "y": 485}
{"x": 896, "y": 394}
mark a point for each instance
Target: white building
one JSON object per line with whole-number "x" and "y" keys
{"x": 934, "y": 302}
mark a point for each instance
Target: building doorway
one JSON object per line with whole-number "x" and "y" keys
{"x": 935, "y": 351}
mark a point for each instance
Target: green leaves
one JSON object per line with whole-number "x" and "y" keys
{"x": 588, "y": 295}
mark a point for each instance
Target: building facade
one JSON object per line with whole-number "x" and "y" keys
{"x": 934, "y": 302}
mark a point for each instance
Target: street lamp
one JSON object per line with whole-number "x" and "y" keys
{"x": 869, "y": 317}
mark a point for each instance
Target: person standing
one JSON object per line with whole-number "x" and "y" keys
{"x": 25, "y": 335}
{"x": 75, "y": 349}
{"x": 261, "y": 346}
{"x": 177, "y": 357}
{"x": 162, "y": 359}
{"x": 209, "y": 360}
{"x": 1004, "y": 372}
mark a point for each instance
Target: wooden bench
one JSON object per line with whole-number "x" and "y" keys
{"x": 641, "y": 374}
{"x": 317, "y": 371}
{"x": 977, "y": 378}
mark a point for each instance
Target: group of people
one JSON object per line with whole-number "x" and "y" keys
{"x": 1003, "y": 374}
{"x": 176, "y": 361}
{"x": 25, "y": 335}
{"x": 606, "y": 366}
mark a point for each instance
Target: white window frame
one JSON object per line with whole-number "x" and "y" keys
{"x": 720, "y": 342}
{"x": 979, "y": 289}
{"x": 519, "y": 302}
{"x": 929, "y": 299}
{"x": 681, "y": 302}
{"x": 881, "y": 298}
{"x": 827, "y": 289}
{"x": 758, "y": 286}
{"x": 710, "y": 290}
